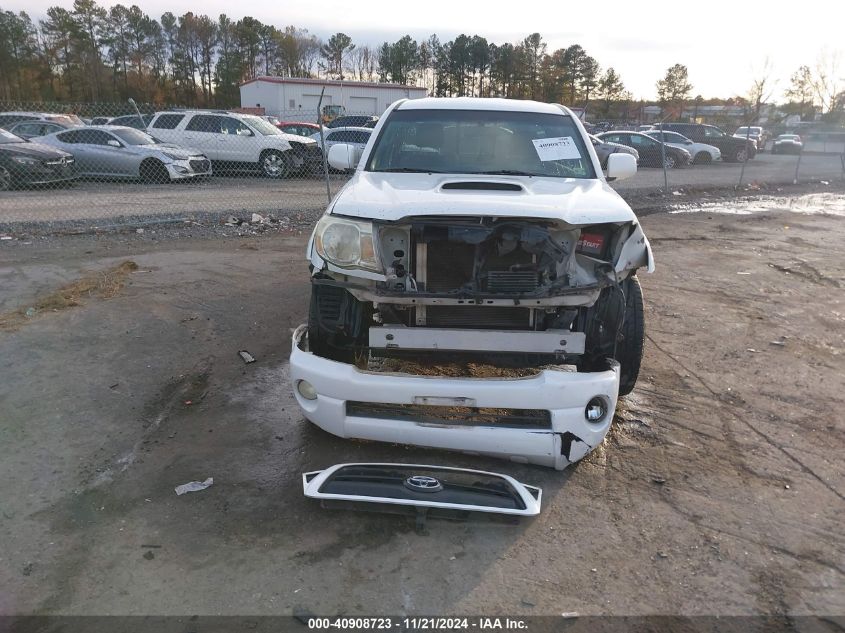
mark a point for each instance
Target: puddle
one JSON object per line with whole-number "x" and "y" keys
{"x": 809, "y": 204}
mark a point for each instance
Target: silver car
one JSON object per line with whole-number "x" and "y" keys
{"x": 123, "y": 152}
{"x": 34, "y": 129}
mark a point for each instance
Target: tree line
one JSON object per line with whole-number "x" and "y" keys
{"x": 88, "y": 53}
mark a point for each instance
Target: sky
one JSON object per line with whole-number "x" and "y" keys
{"x": 724, "y": 44}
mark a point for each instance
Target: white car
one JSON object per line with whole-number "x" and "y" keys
{"x": 701, "y": 152}
{"x": 755, "y": 133}
{"x": 475, "y": 234}
{"x": 788, "y": 144}
{"x": 357, "y": 137}
{"x": 238, "y": 140}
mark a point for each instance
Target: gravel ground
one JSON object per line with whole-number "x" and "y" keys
{"x": 719, "y": 490}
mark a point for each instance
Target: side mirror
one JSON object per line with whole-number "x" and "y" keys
{"x": 621, "y": 166}
{"x": 113, "y": 143}
{"x": 344, "y": 157}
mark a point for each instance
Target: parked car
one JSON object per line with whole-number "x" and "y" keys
{"x": 733, "y": 149}
{"x": 480, "y": 230}
{"x": 272, "y": 120}
{"x": 132, "y": 120}
{"x": 34, "y": 129}
{"x": 644, "y": 128}
{"x": 356, "y": 137}
{"x": 7, "y": 118}
{"x": 701, "y": 153}
{"x": 300, "y": 128}
{"x": 100, "y": 120}
{"x": 650, "y": 152}
{"x": 755, "y": 132}
{"x": 788, "y": 144}
{"x": 606, "y": 148}
{"x": 353, "y": 120}
{"x": 24, "y": 163}
{"x": 114, "y": 151}
{"x": 239, "y": 140}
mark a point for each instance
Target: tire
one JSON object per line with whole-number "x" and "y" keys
{"x": 741, "y": 155}
{"x": 275, "y": 164}
{"x": 154, "y": 171}
{"x": 669, "y": 162}
{"x": 702, "y": 158}
{"x": 5, "y": 179}
{"x": 616, "y": 330}
{"x": 341, "y": 330}
{"x": 629, "y": 349}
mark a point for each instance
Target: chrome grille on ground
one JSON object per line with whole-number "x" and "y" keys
{"x": 453, "y": 416}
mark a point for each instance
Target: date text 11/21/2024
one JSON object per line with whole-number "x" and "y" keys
{"x": 418, "y": 623}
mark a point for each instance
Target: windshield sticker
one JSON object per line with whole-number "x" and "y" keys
{"x": 560, "y": 148}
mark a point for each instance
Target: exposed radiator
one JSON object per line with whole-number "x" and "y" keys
{"x": 516, "y": 282}
{"x": 478, "y": 317}
{"x": 449, "y": 265}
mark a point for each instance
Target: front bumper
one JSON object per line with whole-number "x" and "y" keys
{"x": 563, "y": 394}
{"x": 44, "y": 174}
{"x": 189, "y": 168}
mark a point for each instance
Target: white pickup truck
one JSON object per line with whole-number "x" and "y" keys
{"x": 477, "y": 234}
{"x": 237, "y": 140}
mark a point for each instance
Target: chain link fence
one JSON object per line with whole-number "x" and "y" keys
{"x": 122, "y": 164}
{"x": 96, "y": 164}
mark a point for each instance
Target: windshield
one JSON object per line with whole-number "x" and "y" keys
{"x": 134, "y": 137}
{"x": 263, "y": 127}
{"x": 8, "y": 137}
{"x": 481, "y": 142}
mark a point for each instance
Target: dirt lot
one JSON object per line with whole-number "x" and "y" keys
{"x": 719, "y": 491}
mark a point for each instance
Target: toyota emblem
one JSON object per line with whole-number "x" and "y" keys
{"x": 423, "y": 483}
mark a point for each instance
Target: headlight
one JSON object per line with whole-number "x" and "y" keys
{"x": 25, "y": 160}
{"x": 346, "y": 243}
{"x": 174, "y": 156}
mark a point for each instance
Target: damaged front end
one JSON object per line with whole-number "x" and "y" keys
{"x": 489, "y": 335}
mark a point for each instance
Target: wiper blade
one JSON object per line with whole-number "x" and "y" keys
{"x": 505, "y": 172}
{"x": 410, "y": 170}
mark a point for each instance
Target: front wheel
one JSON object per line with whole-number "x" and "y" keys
{"x": 275, "y": 164}
{"x": 338, "y": 324}
{"x": 669, "y": 162}
{"x": 741, "y": 155}
{"x": 629, "y": 347}
{"x": 616, "y": 329}
{"x": 153, "y": 171}
{"x": 703, "y": 158}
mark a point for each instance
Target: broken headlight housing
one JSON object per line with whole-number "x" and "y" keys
{"x": 346, "y": 243}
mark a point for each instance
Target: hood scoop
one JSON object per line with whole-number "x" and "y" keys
{"x": 481, "y": 185}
